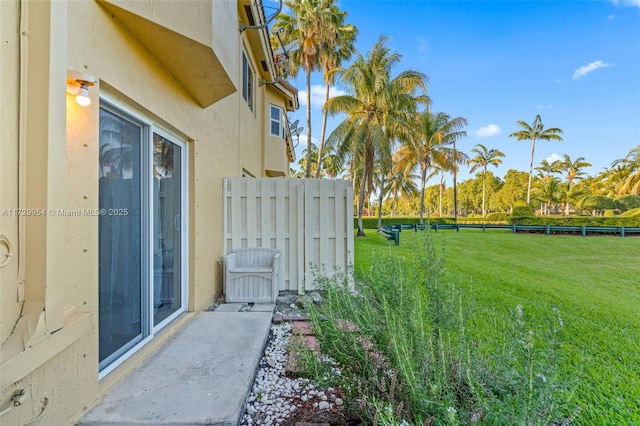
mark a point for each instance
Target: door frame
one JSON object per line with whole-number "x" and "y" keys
{"x": 149, "y": 330}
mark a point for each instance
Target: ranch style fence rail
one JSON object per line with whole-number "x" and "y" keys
{"x": 547, "y": 229}
{"x": 309, "y": 220}
{"x": 392, "y": 232}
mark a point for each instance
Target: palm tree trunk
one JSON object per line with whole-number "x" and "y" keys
{"x": 533, "y": 147}
{"x": 361, "y": 203}
{"x": 380, "y": 202}
{"x": 441, "y": 191}
{"x": 322, "y": 133}
{"x": 423, "y": 182}
{"x": 308, "y": 77}
{"x": 455, "y": 187}
{"x": 484, "y": 177}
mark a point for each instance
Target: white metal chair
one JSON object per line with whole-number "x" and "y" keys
{"x": 252, "y": 275}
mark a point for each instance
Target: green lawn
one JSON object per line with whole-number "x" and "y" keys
{"x": 593, "y": 281}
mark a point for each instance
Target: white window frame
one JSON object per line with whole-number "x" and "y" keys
{"x": 149, "y": 330}
{"x": 248, "y": 81}
{"x": 279, "y": 121}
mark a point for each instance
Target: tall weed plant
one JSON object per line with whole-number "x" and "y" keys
{"x": 399, "y": 335}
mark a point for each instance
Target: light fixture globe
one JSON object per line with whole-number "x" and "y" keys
{"x": 82, "y": 98}
{"x": 78, "y": 85}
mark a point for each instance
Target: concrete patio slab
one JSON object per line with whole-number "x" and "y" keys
{"x": 263, "y": 307}
{"x": 201, "y": 377}
{"x": 230, "y": 307}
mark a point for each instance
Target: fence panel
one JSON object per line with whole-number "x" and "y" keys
{"x": 309, "y": 220}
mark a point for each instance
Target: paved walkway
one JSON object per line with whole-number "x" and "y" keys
{"x": 202, "y": 376}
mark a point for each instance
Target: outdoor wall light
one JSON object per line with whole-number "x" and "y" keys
{"x": 78, "y": 85}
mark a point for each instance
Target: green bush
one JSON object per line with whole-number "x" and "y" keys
{"x": 372, "y": 223}
{"x": 628, "y": 218}
{"x": 629, "y": 201}
{"x": 579, "y": 221}
{"x": 400, "y": 338}
{"x": 631, "y": 213}
{"x": 609, "y": 213}
{"x": 521, "y": 210}
{"x": 497, "y": 217}
{"x": 598, "y": 203}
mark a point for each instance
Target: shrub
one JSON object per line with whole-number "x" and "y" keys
{"x": 629, "y": 201}
{"x": 497, "y": 217}
{"x": 521, "y": 210}
{"x": 598, "y": 203}
{"x": 620, "y": 220}
{"x": 631, "y": 213}
{"x": 609, "y": 213}
{"x": 400, "y": 336}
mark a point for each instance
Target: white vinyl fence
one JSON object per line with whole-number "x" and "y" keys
{"x": 309, "y": 220}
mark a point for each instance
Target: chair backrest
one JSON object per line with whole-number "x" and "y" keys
{"x": 255, "y": 256}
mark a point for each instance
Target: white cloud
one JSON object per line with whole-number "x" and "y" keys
{"x": 488, "y": 131}
{"x": 630, "y": 3}
{"x": 553, "y": 157}
{"x": 303, "y": 140}
{"x": 318, "y": 92}
{"x": 586, "y": 69}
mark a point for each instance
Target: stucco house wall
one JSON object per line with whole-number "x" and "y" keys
{"x": 176, "y": 63}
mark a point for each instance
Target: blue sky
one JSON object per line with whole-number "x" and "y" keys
{"x": 576, "y": 63}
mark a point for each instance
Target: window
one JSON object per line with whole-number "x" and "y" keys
{"x": 247, "y": 81}
{"x": 276, "y": 127}
{"x": 142, "y": 235}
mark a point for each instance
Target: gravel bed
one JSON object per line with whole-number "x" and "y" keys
{"x": 276, "y": 399}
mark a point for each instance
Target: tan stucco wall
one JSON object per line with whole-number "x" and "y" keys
{"x": 10, "y": 84}
{"x": 275, "y": 148}
{"x": 222, "y": 140}
{"x": 250, "y": 123}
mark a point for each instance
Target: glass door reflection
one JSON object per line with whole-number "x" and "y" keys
{"x": 167, "y": 174}
{"x": 122, "y": 313}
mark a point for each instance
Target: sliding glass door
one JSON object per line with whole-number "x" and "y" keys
{"x": 167, "y": 253}
{"x": 142, "y": 280}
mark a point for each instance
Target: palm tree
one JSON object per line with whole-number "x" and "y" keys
{"x": 548, "y": 192}
{"x": 485, "y": 157}
{"x": 628, "y": 174}
{"x": 310, "y": 24}
{"x": 310, "y": 153}
{"x": 441, "y": 188}
{"x": 401, "y": 185}
{"x": 333, "y": 52}
{"x": 382, "y": 174}
{"x": 546, "y": 169}
{"x": 573, "y": 195}
{"x": 429, "y": 147}
{"x": 600, "y": 184}
{"x": 573, "y": 171}
{"x": 378, "y": 110}
{"x": 533, "y": 132}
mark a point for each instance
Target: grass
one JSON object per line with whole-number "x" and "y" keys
{"x": 594, "y": 282}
